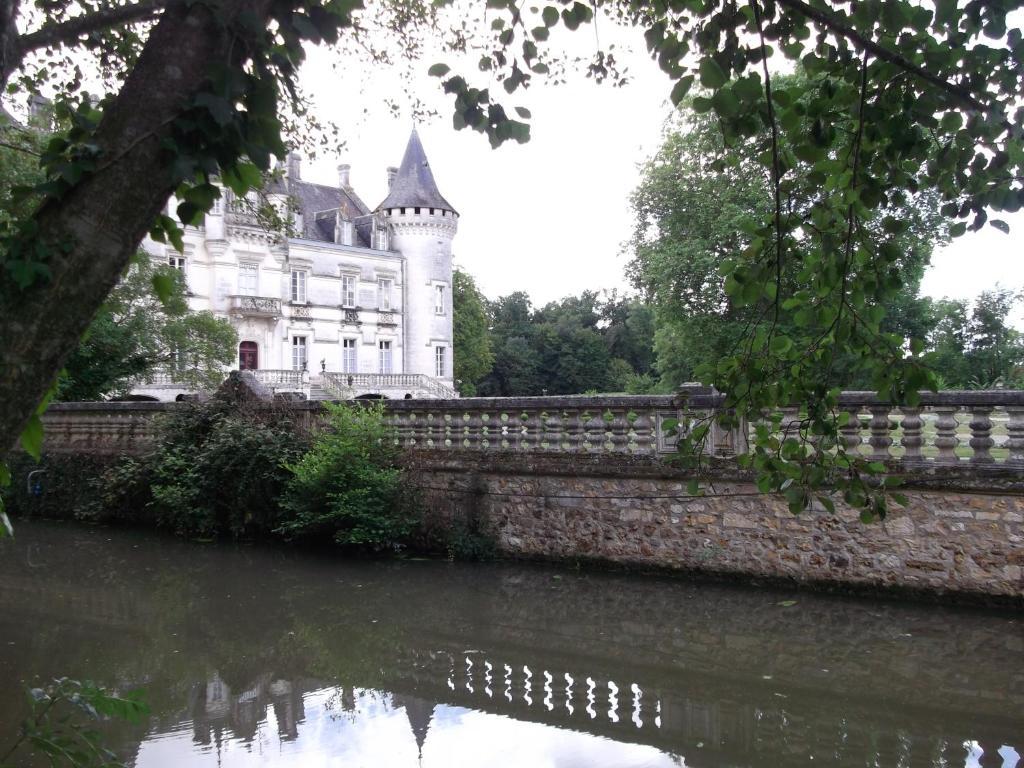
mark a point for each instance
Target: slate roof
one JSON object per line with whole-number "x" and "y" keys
{"x": 316, "y": 200}
{"x": 414, "y": 185}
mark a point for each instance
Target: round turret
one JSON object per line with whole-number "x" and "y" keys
{"x": 423, "y": 225}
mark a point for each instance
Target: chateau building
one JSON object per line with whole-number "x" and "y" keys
{"x": 353, "y": 302}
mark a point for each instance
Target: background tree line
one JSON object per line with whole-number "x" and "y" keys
{"x": 692, "y": 211}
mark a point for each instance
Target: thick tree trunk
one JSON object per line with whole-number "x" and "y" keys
{"x": 106, "y": 216}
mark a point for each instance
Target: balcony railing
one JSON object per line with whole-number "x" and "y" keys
{"x": 275, "y": 378}
{"x": 342, "y": 385}
{"x": 256, "y": 306}
{"x": 301, "y": 311}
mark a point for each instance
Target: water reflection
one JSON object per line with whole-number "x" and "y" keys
{"x": 255, "y": 657}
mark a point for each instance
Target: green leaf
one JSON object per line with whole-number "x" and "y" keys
{"x": 1001, "y": 225}
{"x": 681, "y": 88}
{"x": 249, "y": 175}
{"x": 711, "y": 74}
{"x": 163, "y": 286}
{"x": 32, "y": 437}
{"x": 523, "y": 112}
{"x": 439, "y": 70}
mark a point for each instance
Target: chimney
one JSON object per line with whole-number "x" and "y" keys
{"x": 343, "y": 171}
{"x": 40, "y": 110}
{"x": 294, "y": 166}
{"x": 392, "y": 173}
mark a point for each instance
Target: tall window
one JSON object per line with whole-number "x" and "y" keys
{"x": 298, "y": 353}
{"x": 384, "y": 293}
{"x": 349, "y": 362}
{"x": 385, "y": 356}
{"x": 440, "y": 369}
{"x": 176, "y": 261}
{"x": 248, "y": 279}
{"x": 298, "y": 286}
{"x": 217, "y": 208}
{"x": 438, "y": 299}
{"x": 348, "y": 291}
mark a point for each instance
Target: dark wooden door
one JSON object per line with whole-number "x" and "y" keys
{"x": 248, "y": 356}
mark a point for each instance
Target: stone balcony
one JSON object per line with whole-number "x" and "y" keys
{"x": 255, "y": 306}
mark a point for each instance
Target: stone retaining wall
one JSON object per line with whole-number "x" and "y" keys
{"x": 962, "y": 532}
{"x": 956, "y": 535}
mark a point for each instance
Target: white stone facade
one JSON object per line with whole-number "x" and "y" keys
{"x": 364, "y": 296}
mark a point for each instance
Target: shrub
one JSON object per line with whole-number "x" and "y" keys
{"x": 348, "y": 487}
{"x": 219, "y": 468}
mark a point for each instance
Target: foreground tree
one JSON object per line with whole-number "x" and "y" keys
{"x": 692, "y": 211}
{"x": 203, "y": 89}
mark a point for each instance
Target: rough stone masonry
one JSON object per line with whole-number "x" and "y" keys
{"x": 958, "y": 535}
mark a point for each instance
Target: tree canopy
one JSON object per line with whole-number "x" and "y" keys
{"x": 690, "y": 211}
{"x": 470, "y": 337}
{"x": 138, "y": 332}
{"x": 901, "y": 99}
{"x": 585, "y": 343}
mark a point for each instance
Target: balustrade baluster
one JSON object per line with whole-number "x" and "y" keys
{"x": 619, "y": 429}
{"x": 790, "y": 424}
{"x": 486, "y": 431}
{"x": 409, "y": 435}
{"x": 946, "y": 440}
{"x": 530, "y": 440}
{"x": 431, "y": 430}
{"x": 506, "y": 427}
{"x": 643, "y": 430}
{"x": 912, "y": 439}
{"x": 470, "y": 431}
{"x": 553, "y": 431}
{"x": 573, "y": 431}
{"x": 448, "y": 437}
{"x": 1015, "y": 429}
{"x": 880, "y": 438}
{"x": 594, "y": 430}
{"x": 981, "y": 435}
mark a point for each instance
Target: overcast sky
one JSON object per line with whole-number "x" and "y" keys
{"x": 549, "y": 217}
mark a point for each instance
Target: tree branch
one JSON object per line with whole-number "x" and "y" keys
{"x": 73, "y": 28}
{"x": 829, "y": 21}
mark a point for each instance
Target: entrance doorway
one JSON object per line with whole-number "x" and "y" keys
{"x": 248, "y": 356}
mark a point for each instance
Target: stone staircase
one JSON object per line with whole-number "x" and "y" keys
{"x": 317, "y": 392}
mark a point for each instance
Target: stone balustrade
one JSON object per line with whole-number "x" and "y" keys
{"x": 255, "y": 306}
{"x": 272, "y": 377}
{"x": 341, "y": 385}
{"x": 979, "y": 427}
{"x": 971, "y": 428}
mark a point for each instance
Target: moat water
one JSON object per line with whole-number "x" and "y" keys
{"x": 270, "y": 657}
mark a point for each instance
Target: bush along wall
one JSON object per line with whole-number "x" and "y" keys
{"x": 234, "y": 468}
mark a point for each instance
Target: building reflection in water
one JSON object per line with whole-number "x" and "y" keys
{"x": 674, "y": 729}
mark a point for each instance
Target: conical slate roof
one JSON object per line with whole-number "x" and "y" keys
{"x": 414, "y": 185}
